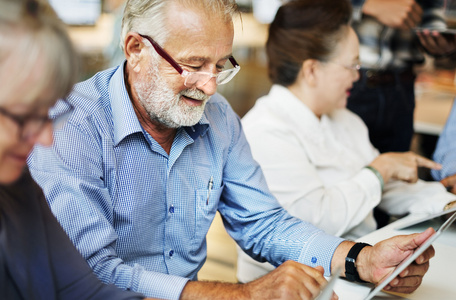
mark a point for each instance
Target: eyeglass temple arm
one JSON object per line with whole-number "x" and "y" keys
{"x": 233, "y": 61}
{"x": 170, "y": 60}
{"x": 163, "y": 53}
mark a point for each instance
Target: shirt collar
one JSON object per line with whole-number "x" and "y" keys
{"x": 295, "y": 112}
{"x": 125, "y": 121}
{"x": 199, "y": 128}
{"x": 291, "y": 107}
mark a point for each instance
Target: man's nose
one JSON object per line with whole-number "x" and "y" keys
{"x": 210, "y": 87}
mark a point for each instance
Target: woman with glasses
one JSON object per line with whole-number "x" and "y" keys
{"x": 316, "y": 154}
{"x": 37, "y": 66}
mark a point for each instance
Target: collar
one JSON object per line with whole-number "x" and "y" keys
{"x": 294, "y": 112}
{"x": 125, "y": 121}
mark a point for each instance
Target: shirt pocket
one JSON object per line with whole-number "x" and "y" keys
{"x": 206, "y": 207}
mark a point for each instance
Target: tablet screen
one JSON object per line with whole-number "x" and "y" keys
{"x": 442, "y": 31}
{"x": 425, "y": 218}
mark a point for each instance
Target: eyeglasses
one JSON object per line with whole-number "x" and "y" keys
{"x": 355, "y": 67}
{"x": 198, "y": 78}
{"x": 31, "y": 126}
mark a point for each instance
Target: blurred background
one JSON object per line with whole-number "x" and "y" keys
{"x": 94, "y": 26}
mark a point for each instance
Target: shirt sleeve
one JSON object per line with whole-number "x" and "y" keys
{"x": 432, "y": 14}
{"x": 400, "y": 198}
{"x": 255, "y": 219}
{"x": 74, "y": 278}
{"x": 445, "y": 152}
{"x": 73, "y": 183}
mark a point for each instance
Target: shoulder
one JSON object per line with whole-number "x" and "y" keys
{"x": 218, "y": 111}
{"x": 91, "y": 95}
{"x": 263, "y": 115}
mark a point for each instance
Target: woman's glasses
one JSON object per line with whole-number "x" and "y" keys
{"x": 30, "y": 125}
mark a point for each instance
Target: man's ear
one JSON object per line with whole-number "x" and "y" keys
{"x": 132, "y": 48}
{"x": 309, "y": 71}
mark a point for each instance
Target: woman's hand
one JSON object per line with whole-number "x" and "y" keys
{"x": 402, "y": 166}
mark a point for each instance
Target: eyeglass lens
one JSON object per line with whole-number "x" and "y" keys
{"x": 31, "y": 126}
{"x": 201, "y": 78}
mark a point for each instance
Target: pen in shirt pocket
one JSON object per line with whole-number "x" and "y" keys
{"x": 209, "y": 189}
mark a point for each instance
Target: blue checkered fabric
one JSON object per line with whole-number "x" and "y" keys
{"x": 140, "y": 216}
{"x": 445, "y": 151}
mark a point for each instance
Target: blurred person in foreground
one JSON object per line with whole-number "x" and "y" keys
{"x": 150, "y": 154}
{"x": 315, "y": 154}
{"x": 38, "y": 65}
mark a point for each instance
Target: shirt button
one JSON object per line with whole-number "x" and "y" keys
{"x": 171, "y": 209}
{"x": 171, "y": 253}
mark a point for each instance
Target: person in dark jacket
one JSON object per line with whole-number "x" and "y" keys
{"x": 38, "y": 65}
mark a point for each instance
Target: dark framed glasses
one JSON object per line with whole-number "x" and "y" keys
{"x": 197, "y": 78}
{"x": 30, "y": 125}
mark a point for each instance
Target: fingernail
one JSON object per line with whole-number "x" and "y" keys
{"x": 395, "y": 282}
{"x": 387, "y": 288}
{"x": 405, "y": 273}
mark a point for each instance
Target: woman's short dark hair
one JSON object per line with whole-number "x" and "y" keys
{"x": 304, "y": 29}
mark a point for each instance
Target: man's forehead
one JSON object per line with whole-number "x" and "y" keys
{"x": 190, "y": 22}
{"x": 194, "y": 36}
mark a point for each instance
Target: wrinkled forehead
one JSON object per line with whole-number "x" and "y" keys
{"x": 193, "y": 28}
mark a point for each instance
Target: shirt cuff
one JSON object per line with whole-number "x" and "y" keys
{"x": 163, "y": 286}
{"x": 319, "y": 251}
{"x": 370, "y": 182}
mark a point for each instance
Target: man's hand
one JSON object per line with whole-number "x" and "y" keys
{"x": 291, "y": 280}
{"x": 375, "y": 263}
{"x": 399, "y": 14}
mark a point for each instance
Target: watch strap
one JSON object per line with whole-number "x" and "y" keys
{"x": 350, "y": 262}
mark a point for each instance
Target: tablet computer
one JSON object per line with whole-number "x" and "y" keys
{"x": 425, "y": 218}
{"x": 401, "y": 267}
{"x": 442, "y": 31}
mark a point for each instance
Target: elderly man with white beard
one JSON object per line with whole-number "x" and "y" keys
{"x": 151, "y": 152}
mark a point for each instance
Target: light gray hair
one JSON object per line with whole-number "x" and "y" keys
{"x": 31, "y": 33}
{"x": 148, "y": 16}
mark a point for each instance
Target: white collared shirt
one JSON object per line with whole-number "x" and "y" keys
{"x": 315, "y": 168}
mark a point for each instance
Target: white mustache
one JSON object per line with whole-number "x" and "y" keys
{"x": 195, "y": 94}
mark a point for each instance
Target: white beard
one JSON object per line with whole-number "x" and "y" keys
{"x": 165, "y": 107}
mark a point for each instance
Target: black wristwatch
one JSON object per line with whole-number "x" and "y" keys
{"x": 350, "y": 262}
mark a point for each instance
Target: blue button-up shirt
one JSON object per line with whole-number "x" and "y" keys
{"x": 140, "y": 216}
{"x": 445, "y": 151}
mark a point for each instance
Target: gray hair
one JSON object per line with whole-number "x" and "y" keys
{"x": 31, "y": 34}
{"x": 148, "y": 16}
